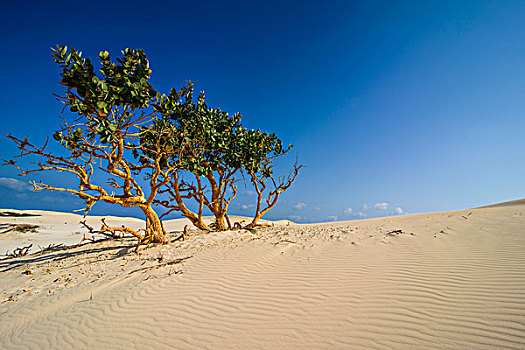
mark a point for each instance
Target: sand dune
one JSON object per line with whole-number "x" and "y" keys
{"x": 505, "y": 204}
{"x": 453, "y": 280}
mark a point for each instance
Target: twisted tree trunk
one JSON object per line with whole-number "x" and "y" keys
{"x": 220, "y": 223}
{"x": 155, "y": 232}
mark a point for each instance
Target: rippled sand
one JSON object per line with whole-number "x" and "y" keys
{"x": 453, "y": 280}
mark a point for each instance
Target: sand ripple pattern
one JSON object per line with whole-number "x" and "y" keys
{"x": 463, "y": 289}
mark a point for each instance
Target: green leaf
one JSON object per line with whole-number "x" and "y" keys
{"x": 57, "y": 136}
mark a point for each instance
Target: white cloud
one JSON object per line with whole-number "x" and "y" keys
{"x": 14, "y": 184}
{"x": 352, "y": 212}
{"x": 247, "y": 206}
{"x": 365, "y": 207}
{"x": 299, "y": 205}
{"x": 398, "y": 211}
{"x": 295, "y": 217}
{"x": 249, "y": 192}
{"x": 316, "y": 208}
{"x": 333, "y": 217}
{"x": 381, "y": 206}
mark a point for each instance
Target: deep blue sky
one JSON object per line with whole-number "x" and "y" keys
{"x": 417, "y": 104}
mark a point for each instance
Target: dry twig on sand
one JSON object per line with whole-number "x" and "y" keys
{"x": 394, "y": 233}
{"x": 50, "y": 248}
{"x": 171, "y": 262}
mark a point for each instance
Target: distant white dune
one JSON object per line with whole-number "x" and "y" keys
{"x": 65, "y": 228}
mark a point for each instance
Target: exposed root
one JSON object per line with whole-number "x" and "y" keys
{"x": 18, "y": 252}
{"x": 183, "y": 235}
{"x": 119, "y": 233}
{"x": 238, "y": 224}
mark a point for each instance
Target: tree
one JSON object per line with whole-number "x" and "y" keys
{"x": 126, "y": 130}
{"x": 222, "y": 152}
{"x": 262, "y": 177}
{"x": 111, "y": 111}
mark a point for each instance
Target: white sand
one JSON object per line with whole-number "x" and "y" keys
{"x": 453, "y": 280}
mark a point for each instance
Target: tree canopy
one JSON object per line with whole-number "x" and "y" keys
{"x": 222, "y": 153}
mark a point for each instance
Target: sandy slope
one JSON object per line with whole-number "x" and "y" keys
{"x": 453, "y": 280}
